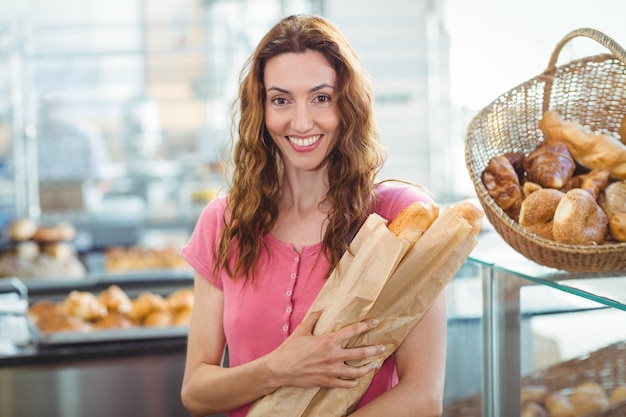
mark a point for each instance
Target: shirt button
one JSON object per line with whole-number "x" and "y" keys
{"x": 288, "y": 309}
{"x": 285, "y": 327}
{"x": 297, "y": 258}
{"x": 288, "y": 293}
{"x": 294, "y": 275}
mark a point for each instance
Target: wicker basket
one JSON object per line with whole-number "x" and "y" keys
{"x": 592, "y": 91}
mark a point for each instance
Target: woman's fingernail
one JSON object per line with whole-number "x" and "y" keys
{"x": 375, "y": 322}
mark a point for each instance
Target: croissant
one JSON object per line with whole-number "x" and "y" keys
{"x": 550, "y": 165}
{"x": 502, "y": 184}
{"x": 588, "y": 149}
{"x": 593, "y": 181}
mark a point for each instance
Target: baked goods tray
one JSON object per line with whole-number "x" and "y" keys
{"x": 108, "y": 335}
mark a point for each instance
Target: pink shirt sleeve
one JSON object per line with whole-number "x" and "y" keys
{"x": 200, "y": 249}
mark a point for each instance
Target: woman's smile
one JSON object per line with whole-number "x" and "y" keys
{"x": 304, "y": 144}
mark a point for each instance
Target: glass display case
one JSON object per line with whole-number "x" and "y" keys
{"x": 546, "y": 328}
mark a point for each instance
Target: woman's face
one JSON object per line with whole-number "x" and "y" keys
{"x": 300, "y": 109}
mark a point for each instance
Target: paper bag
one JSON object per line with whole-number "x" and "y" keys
{"x": 412, "y": 277}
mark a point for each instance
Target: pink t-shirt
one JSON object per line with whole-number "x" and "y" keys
{"x": 260, "y": 315}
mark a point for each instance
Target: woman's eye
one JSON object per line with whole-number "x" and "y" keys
{"x": 279, "y": 101}
{"x": 322, "y": 98}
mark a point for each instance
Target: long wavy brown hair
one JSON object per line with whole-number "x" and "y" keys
{"x": 257, "y": 170}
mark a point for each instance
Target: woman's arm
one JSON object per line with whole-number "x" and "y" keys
{"x": 420, "y": 360}
{"x": 303, "y": 360}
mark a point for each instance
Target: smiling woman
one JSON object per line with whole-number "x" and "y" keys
{"x": 305, "y": 163}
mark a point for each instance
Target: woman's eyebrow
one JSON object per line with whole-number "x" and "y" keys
{"x": 316, "y": 88}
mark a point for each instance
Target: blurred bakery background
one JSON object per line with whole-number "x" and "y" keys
{"x": 114, "y": 115}
{"x": 113, "y": 130}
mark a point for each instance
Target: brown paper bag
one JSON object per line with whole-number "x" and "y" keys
{"x": 412, "y": 277}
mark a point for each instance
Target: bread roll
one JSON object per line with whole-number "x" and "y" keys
{"x": 160, "y": 318}
{"x": 618, "y": 394}
{"x": 22, "y": 229}
{"x": 588, "y": 397}
{"x": 145, "y": 304}
{"x": 115, "y": 300}
{"x": 62, "y": 323}
{"x": 66, "y": 231}
{"x": 559, "y": 406}
{"x": 617, "y": 227}
{"x": 27, "y": 250}
{"x": 46, "y": 234}
{"x": 83, "y": 304}
{"x": 613, "y": 198}
{"x": 530, "y": 187}
{"x": 534, "y": 393}
{"x": 113, "y": 321}
{"x": 182, "y": 317}
{"x": 533, "y": 409}
{"x": 579, "y": 220}
{"x": 179, "y": 300}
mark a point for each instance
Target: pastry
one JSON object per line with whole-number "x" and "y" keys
{"x": 588, "y": 149}
{"x": 534, "y": 393}
{"x": 113, "y": 321}
{"x": 613, "y": 198}
{"x": 559, "y": 406}
{"x": 179, "y": 300}
{"x": 529, "y": 188}
{"x": 160, "y": 318}
{"x": 83, "y": 304}
{"x": 533, "y": 409}
{"x": 617, "y": 227}
{"x": 588, "y": 397}
{"x": 579, "y": 220}
{"x": 62, "y": 323}
{"x": 46, "y": 234}
{"x": 115, "y": 300}
{"x": 145, "y": 304}
{"x": 618, "y": 394}
{"x": 550, "y": 165}
{"x": 181, "y": 317}
{"x": 503, "y": 185}
{"x": 594, "y": 181}
{"x": 538, "y": 210}
{"x": 22, "y": 229}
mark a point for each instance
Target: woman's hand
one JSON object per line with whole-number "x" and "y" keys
{"x": 307, "y": 360}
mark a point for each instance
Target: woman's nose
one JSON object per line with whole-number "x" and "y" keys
{"x": 302, "y": 119}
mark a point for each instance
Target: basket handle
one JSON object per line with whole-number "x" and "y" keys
{"x": 593, "y": 34}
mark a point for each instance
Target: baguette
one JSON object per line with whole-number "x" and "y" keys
{"x": 417, "y": 217}
{"x": 414, "y": 220}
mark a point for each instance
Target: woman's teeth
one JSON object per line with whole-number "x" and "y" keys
{"x": 304, "y": 142}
